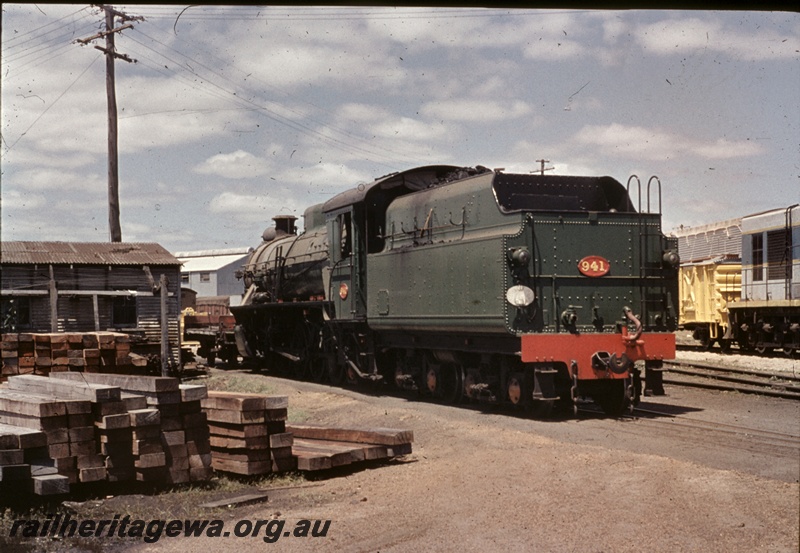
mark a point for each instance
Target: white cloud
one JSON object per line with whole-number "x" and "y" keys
{"x": 252, "y": 208}
{"x": 644, "y": 143}
{"x": 553, "y": 49}
{"x": 475, "y": 110}
{"x": 234, "y": 165}
{"x": 14, "y": 199}
{"x": 51, "y": 179}
{"x": 682, "y": 35}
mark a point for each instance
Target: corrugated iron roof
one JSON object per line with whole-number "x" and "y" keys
{"x": 85, "y": 253}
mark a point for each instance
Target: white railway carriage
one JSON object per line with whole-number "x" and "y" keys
{"x": 768, "y": 314}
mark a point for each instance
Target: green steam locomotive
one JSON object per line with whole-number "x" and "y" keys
{"x": 470, "y": 284}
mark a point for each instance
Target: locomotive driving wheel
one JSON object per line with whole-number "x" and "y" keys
{"x": 443, "y": 382}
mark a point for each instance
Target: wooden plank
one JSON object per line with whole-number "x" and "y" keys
{"x": 64, "y": 389}
{"x": 307, "y": 451}
{"x": 239, "y": 454}
{"x": 35, "y": 423}
{"x": 81, "y": 434}
{"x": 149, "y": 460}
{"x": 237, "y": 430}
{"x": 110, "y": 408}
{"x": 363, "y": 435}
{"x": 92, "y": 474}
{"x": 240, "y": 467}
{"x": 276, "y": 415}
{"x": 234, "y": 401}
{"x": 129, "y": 383}
{"x": 173, "y": 438}
{"x": 12, "y": 457}
{"x": 134, "y": 401}
{"x": 285, "y": 439}
{"x": 15, "y": 473}
{"x": 234, "y": 417}
{"x": 144, "y": 417}
{"x": 193, "y": 392}
{"x": 113, "y": 422}
{"x": 19, "y": 437}
{"x": 257, "y": 442}
{"x": 50, "y": 484}
{"x": 81, "y": 449}
{"x": 32, "y": 406}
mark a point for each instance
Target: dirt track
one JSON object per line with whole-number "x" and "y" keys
{"x": 481, "y": 481}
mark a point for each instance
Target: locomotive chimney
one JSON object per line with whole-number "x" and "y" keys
{"x": 285, "y": 223}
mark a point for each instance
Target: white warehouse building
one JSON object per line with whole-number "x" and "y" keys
{"x": 212, "y": 273}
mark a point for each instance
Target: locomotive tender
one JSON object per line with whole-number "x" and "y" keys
{"x": 469, "y": 283}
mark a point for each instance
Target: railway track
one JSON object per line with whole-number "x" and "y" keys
{"x": 707, "y": 432}
{"x": 730, "y": 435}
{"x": 715, "y": 377}
{"x": 777, "y": 353}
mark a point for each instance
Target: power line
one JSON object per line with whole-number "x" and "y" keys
{"x": 26, "y": 33}
{"x": 232, "y": 95}
{"x": 53, "y": 103}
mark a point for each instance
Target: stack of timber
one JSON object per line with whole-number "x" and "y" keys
{"x": 43, "y": 353}
{"x": 182, "y": 427}
{"x": 52, "y": 466}
{"x": 102, "y": 427}
{"x": 248, "y": 433}
{"x": 320, "y": 447}
{"x": 22, "y": 452}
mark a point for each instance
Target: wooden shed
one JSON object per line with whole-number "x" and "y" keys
{"x": 89, "y": 286}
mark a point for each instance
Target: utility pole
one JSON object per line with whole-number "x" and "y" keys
{"x": 111, "y": 14}
{"x": 543, "y": 168}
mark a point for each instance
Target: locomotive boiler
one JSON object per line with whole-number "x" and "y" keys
{"x": 469, "y": 283}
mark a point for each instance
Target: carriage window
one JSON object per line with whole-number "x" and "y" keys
{"x": 757, "y": 242}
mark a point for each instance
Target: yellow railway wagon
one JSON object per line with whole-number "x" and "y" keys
{"x": 705, "y": 291}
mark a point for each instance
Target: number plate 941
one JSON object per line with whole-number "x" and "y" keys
{"x": 594, "y": 266}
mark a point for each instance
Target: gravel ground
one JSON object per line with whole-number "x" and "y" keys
{"x": 773, "y": 363}
{"x": 482, "y": 481}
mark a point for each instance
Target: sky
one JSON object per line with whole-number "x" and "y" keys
{"x": 232, "y": 115}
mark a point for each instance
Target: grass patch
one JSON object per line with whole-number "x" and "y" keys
{"x": 241, "y": 384}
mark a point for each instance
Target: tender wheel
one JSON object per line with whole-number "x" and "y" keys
{"x": 789, "y": 351}
{"x": 514, "y": 390}
{"x": 725, "y": 346}
{"x": 763, "y": 350}
{"x": 431, "y": 381}
{"x": 451, "y": 383}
